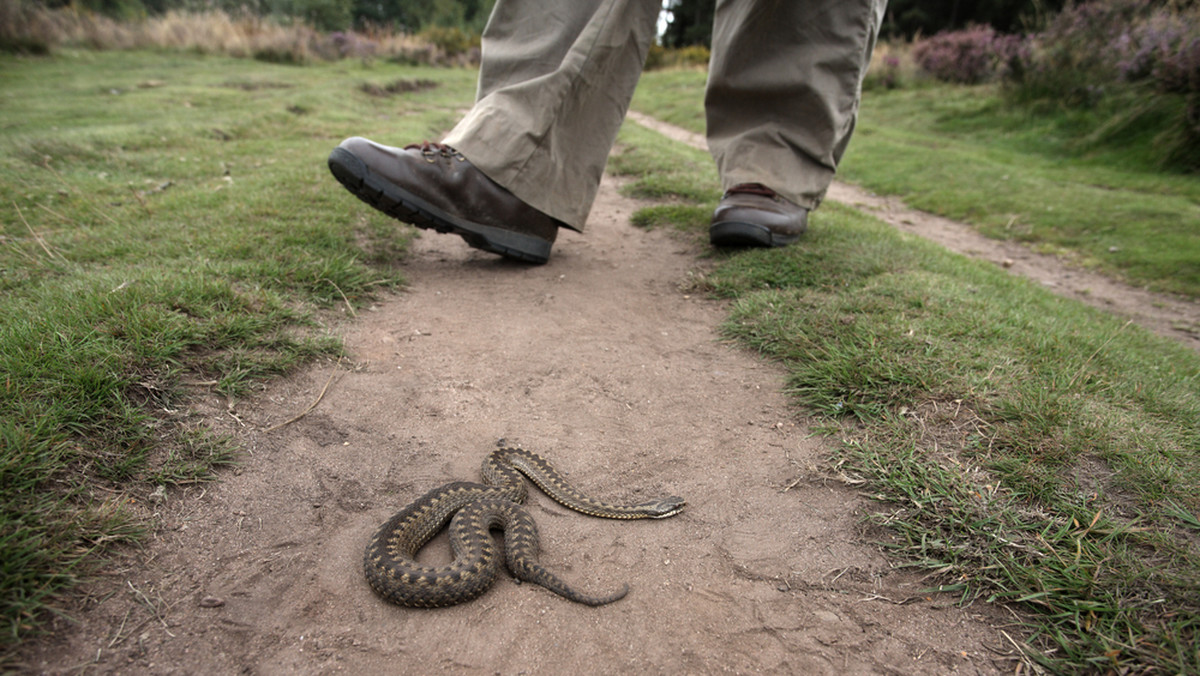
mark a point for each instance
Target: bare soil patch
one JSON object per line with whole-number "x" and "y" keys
{"x": 601, "y": 361}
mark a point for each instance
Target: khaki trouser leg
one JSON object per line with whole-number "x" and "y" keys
{"x": 783, "y": 90}
{"x": 555, "y": 84}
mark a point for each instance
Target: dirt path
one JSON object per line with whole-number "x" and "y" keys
{"x": 1170, "y": 316}
{"x": 602, "y": 361}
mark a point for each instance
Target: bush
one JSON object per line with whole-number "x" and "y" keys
{"x": 1096, "y": 44}
{"x": 451, "y": 40}
{"x": 17, "y": 35}
{"x": 349, "y": 44}
{"x": 969, "y": 56}
{"x": 325, "y": 15}
{"x": 1104, "y": 54}
{"x": 683, "y": 57}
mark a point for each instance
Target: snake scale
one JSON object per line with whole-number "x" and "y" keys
{"x": 473, "y": 509}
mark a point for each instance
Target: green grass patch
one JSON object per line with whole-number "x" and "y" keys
{"x": 168, "y": 223}
{"x": 684, "y": 217}
{"x": 675, "y": 172}
{"x": 1024, "y": 448}
{"x": 1073, "y": 183}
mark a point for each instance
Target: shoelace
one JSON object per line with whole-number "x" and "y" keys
{"x": 431, "y": 150}
{"x": 752, "y": 189}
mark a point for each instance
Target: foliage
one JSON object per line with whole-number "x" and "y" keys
{"x": 1099, "y": 43}
{"x": 408, "y": 16}
{"x": 30, "y": 28}
{"x": 416, "y": 15}
{"x": 690, "y": 22}
{"x": 885, "y": 76}
{"x": 1138, "y": 60}
{"x": 16, "y": 16}
{"x": 892, "y": 66}
{"x": 123, "y": 10}
{"x": 691, "y": 56}
{"x": 1133, "y": 64}
{"x": 450, "y": 39}
{"x": 324, "y": 15}
{"x": 968, "y": 56}
{"x": 913, "y": 18}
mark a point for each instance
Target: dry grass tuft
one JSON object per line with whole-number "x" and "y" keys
{"x": 892, "y": 66}
{"x": 30, "y": 28}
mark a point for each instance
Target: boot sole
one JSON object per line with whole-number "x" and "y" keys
{"x": 402, "y": 205}
{"x": 736, "y": 234}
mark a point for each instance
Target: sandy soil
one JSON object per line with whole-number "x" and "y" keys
{"x": 605, "y": 363}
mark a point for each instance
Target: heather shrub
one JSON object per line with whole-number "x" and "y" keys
{"x": 1073, "y": 58}
{"x": 1135, "y": 61}
{"x": 351, "y": 45}
{"x": 968, "y": 56}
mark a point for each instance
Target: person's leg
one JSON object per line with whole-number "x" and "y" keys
{"x": 556, "y": 81}
{"x": 554, "y": 86}
{"x": 782, "y": 97}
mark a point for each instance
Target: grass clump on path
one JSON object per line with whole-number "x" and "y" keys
{"x": 1016, "y": 173}
{"x": 168, "y": 228}
{"x": 1024, "y": 448}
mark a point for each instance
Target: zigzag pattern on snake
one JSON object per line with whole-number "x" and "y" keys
{"x": 474, "y": 509}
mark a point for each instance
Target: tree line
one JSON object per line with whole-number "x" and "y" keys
{"x": 330, "y": 15}
{"x": 689, "y": 21}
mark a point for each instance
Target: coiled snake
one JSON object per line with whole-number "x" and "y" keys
{"x": 394, "y": 573}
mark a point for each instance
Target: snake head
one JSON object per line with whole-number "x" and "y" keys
{"x": 664, "y": 507}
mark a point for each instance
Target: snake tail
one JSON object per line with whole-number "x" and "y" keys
{"x": 521, "y": 546}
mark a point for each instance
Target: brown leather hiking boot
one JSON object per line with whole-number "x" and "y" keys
{"x": 432, "y": 186}
{"x": 751, "y": 214}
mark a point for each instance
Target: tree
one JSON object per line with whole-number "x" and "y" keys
{"x": 909, "y": 18}
{"x": 415, "y": 15}
{"x": 690, "y": 23}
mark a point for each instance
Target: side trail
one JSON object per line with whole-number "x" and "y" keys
{"x": 1170, "y": 316}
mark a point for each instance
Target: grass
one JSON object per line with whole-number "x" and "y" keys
{"x": 168, "y": 228}
{"x": 1039, "y": 177}
{"x": 1023, "y": 448}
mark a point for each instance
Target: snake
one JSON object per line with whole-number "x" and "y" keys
{"x": 473, "y": 510}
